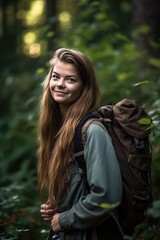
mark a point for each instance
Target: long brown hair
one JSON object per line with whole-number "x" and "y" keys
{"x": 56, "y": 136}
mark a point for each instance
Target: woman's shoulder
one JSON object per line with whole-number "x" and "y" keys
{"x": 96, "y": 128}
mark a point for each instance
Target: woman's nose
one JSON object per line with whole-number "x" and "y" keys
{"x": 61, "y": 83}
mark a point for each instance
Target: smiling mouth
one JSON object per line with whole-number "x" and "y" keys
{"x": 60, "y": 92}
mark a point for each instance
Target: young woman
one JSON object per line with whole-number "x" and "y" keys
{"x": 70, "y": 91}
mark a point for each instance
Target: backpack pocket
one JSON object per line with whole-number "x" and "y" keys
{"x": 141, "y": 162}
{"x": 140, "y": 173}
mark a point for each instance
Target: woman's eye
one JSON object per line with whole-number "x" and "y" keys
{"x": 71, "y": 80}
{"x": 54, "y": 77}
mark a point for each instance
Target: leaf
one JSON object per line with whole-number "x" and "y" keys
{"x": 144, "y": 121}
{"x": 155, "y": 62}
{"x": 40, "y": 71}
{"x": 140, "y": 83}
{"x": 109, "y": 205}
{"x": 50, "y": 34}
{"x": 155, "y": 210}
{"x": 150, "y": 127}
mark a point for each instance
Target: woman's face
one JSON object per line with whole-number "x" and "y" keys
{"x": 65, "y": 84}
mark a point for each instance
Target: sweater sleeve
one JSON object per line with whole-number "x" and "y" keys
{"x": 104, "y": 179}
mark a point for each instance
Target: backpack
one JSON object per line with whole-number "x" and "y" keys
{"x": 129, "y": 127}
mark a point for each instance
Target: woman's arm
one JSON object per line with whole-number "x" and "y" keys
{"x": 104, "y": 179}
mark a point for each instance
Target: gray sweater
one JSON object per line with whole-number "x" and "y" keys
{"x": 79, "y": 209}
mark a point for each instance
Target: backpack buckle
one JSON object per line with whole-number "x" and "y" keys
{"x": 139, "y": 143}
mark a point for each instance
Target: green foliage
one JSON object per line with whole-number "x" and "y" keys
{"x": 114, "y": 54}
{"x": 155, "y": 211}
{"x": 19, "y": 198}
{"x": 19, "y": 210}
{"x": 150, "y": 228}
{"x": 104, "y": 33}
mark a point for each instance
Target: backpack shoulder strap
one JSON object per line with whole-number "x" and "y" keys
{"x": 80, "y": 133}
{"x": 83, "y": 124}
{"x": 80, "y": 138}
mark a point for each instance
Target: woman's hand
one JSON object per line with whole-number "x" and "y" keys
{"x": 47, "y": 211}
{"x": 55, "y": 223}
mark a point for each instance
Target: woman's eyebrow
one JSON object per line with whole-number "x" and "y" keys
{"x": 72, "y": 75}
{"x": 69, "y": 75}
{"x": 53, "y": 72}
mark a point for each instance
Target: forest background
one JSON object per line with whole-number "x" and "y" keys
{"x": 121, "y": 37}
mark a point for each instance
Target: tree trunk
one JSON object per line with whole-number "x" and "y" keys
{"x": 4, "y": 20}
{"x": 51, "y": 20}
{"x": 146, "y": 12}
